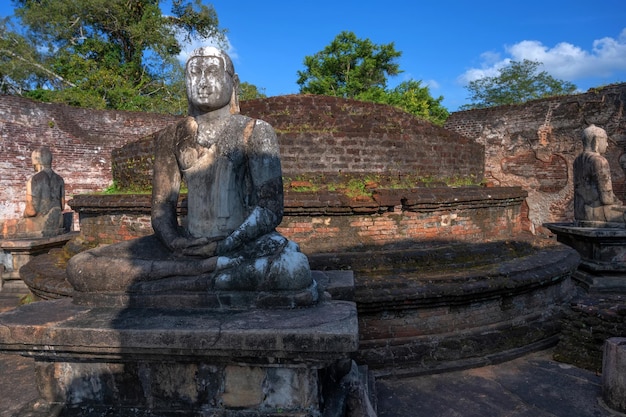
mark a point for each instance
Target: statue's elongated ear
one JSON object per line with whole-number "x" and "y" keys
{"x": 234, "y": 100}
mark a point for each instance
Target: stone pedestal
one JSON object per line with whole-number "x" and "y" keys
{"x": 614, "y": 373}
{"x": 602, "y": 248}
{"x": 18, "y": 252}
{"x": 160, "y": 362}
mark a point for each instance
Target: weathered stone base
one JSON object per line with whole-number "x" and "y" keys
{"x": 614, "y": 374}
{"x": 162, "y": 388}
{"x": 38, "y": 409}
{"x": 602, "y": 249}
{"x": 601, "y": 283}
{"x": 157, "y": 362}
{"x": 15, "y": 253}
{"x": 235, "y": 300}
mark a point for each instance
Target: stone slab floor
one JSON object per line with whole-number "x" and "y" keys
{"x": 531, "y": 386}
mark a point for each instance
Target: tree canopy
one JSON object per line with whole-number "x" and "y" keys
{"x": 249, "y": 91}
{"x": 115, "y": 54}
{"x": 516, "y": 83}
{"x": 357, "y": 68}
{"x": 413, "y": 98}
{"x": 348, "y": 66}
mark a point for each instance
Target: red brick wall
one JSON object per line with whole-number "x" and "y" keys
{"x": 534, "y": 145}
{"x": 331, "y": 222}
{"x": 334, "y": 136}
{"x": 527, "y": 146}
{"x": 81, "y": 141}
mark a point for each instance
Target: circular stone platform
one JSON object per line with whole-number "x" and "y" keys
{"x": 438, "y": 305}
{"x": 443, "y": 306}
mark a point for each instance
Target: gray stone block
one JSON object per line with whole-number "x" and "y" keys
{"x": 190, "y": 361}
{"x": 614, "y": 373}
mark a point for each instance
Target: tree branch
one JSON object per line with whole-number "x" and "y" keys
{"x": 39, "y": 66}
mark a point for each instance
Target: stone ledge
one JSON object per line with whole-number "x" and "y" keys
{"x": 61, "y": 328}
{"x": 148, "y": 362}
{"x": 333, "y": 203}
{"x": 36, "y": 244}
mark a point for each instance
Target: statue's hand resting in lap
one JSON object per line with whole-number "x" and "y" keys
{"x": 202, "y": 247}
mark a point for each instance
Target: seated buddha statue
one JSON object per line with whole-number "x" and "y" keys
{"x": 228, "y": 241}
{"x": 594, "y": 199}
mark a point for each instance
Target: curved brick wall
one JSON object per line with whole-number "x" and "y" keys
{"x": 330, "y": 135}
{"x": 335, "y": 136}
{"x": 456, "y": 283}
{"x": 331, "y": 222}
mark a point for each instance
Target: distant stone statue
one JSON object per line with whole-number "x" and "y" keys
{"x": 594, "y": 200}
{"x": 45, "y": 199}
{"x": 228, "y": 242}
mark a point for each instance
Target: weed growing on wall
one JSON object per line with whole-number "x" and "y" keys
{"x": 363, "y": 186}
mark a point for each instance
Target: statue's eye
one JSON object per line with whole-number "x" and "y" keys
{"x": 212, "y": 71}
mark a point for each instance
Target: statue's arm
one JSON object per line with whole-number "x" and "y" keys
{"x": 605, "y": 185}
{"x": 62, "y": 194}
{"x": 166, "y": 180}
{"x": 29, "y": 210}
{"x": 267, "y": 184}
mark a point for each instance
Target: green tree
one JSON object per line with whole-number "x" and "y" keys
{"x": 348, "y": 67}
{"x": 116, "y": 54}
{"x": 516, "y": 83}
{"x": 357, "y": 68}
{"x": 413, "y": 98}
{"x": 249, "y": 91}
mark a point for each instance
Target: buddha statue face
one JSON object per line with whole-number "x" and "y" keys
{"x": 209, "y": 85}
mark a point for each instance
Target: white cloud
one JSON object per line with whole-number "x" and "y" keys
{"x": 432, "y": 84}
{"x": 564, "y": 60}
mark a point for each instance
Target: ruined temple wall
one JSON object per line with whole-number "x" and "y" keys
{"x": 317, "y": 134}
{"x": 531, "y": 146}
{"x": 534, "y": 146}
{"x": 331, "y": 136}
{"x": 81, "y": 141}
{"x": 332, "y": 222}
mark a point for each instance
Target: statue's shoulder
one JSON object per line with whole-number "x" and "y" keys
{"x": 185, "y": 127}
{"x": 242, "y": 120}
{"x": 591, "y": 161}
{"x": 55, "y": 176}
{"x": 38, "y": 176}
{"x": 259, "y": 136}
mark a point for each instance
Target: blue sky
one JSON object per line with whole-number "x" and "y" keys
{"x": 443, "y": 43}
